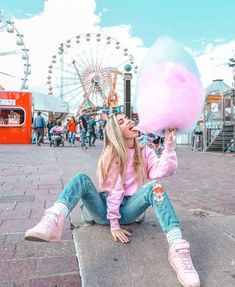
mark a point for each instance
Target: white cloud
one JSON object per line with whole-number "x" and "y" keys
{"x": 62, "y": 19}
{"x": 219, "y": 40}
{"x": 123, "y": 33}
{"x": 59, "y": 21}
{"x": 213, "y": 63}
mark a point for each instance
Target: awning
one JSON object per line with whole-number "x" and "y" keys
{"x": 45, "y": 103}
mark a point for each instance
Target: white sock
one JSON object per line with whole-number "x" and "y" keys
{"x": 60, "y": 207}
{"x": 173, "y": 235}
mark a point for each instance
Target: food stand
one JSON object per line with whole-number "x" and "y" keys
{"x": 15, "y": 117}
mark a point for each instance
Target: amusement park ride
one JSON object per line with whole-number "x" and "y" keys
{"x": 87, "y": 72}
{"x": 90, "y": 71}
{"x": 15, "y": 101}
{"x": 14, "y": 58}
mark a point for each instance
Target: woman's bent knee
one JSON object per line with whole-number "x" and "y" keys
{"x": 155, "y": 192}
{"x": 81, "y": 176}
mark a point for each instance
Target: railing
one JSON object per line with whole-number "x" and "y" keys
{"x": 217, "y": 116}
{"x": 213, "y": 128}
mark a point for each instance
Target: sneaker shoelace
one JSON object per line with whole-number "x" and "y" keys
{"x": 185, "y": 259}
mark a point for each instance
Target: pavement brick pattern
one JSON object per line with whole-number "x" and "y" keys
{"x": 205, "y": 181}
{"x": 29, "y": 182}
{"x": 30, "y": 179}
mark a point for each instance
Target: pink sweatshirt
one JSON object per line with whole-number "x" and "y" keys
{"x": 156, "y": 168}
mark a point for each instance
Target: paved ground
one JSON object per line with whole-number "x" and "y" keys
{"x": 204, "y": 180}
{"x": 31, "y": 177}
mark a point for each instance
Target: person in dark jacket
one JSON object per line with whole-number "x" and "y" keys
{"x": 83, "y": 128}
{"x": 39, "y": 125}
{"x": 92, "y": 131}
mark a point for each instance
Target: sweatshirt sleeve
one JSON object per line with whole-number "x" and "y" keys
{"x": 115, "y": 195}
{"x": 165, "y": 165}
{"x": 114, "y": 199}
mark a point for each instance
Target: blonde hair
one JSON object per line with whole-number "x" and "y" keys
{"x": 114, "y": 153}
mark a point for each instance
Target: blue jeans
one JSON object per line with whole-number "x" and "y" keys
{"x": 92, "y": 137}
{"x": 83, "y": 138}
{"x": 81, "y": 187}
{"x": 72, "y": 137}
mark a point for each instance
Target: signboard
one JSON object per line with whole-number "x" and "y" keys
{"x": 7, "y": 102}
{"x": 127, "y": 76}
{"x": 214, "y": 99}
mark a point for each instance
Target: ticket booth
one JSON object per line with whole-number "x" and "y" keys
{"x": 15, "y": 117}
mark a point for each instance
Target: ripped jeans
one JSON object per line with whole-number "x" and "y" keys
{"x": 81, "y": 187}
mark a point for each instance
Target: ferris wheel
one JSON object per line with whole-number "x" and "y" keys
{"x": 14, "y": 58}
{"x": 87, "y": 71}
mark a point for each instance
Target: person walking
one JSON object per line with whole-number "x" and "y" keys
{"x": 102, "y": 124}
{"x": 66, "y": 130}
{"x": 72, "y": 128}
{"x": 39, "y": 125}
{"x": 50, "y": 125}
{"x": 92, "y": 130}
{"x": 123, "y": 166}
{"x": 83, "y": 128}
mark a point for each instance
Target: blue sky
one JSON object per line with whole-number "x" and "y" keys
{"x": 20, "y": 8}
{"x": 194, "y": 22}
{"x": 185, "y": 20}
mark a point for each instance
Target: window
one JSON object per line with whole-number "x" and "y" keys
{"x": 12, "y": 116}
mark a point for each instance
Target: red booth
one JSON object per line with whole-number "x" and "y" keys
{"x": 15, "y": 117}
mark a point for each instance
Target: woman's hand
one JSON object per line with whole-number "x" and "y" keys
{"x": 170, "y": 134}
{"x": 121, "y": 235}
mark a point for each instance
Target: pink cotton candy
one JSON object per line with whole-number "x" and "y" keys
{"x": 168, "y": 96}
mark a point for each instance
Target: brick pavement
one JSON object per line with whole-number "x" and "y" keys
{"x": 205, "y": 181}
{"x": 29, "y": 182}
{"x": 30, "y": 179}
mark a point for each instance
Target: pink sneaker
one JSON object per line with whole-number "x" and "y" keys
{"x": 180, "y": 260}
{"x": 49, "y": 229}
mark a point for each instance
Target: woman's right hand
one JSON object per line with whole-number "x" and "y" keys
{"x": 121, "y": 235}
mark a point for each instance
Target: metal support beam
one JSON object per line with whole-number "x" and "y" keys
{"x": 127, "y": 94}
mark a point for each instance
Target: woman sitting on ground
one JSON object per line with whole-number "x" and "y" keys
{"x": 123, "y": 166}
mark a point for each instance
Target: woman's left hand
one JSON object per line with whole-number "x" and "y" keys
{"x": 121, "y": 235}
{"x": 170, "y": 134}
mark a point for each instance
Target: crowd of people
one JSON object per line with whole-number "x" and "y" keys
{"x": 85, "y": 128}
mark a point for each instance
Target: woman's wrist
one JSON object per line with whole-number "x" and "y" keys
{"x": 169, "y": 144}
{"x": 114, "y": 224}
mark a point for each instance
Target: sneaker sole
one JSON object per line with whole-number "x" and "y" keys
{"x": 40, "y": 238}
{"x": 179, "y": 279}
{"x": 31, "y": 238}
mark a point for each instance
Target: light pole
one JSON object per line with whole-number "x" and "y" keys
{"x": 127, "y": 76}
{"x": 232, "y": 64}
